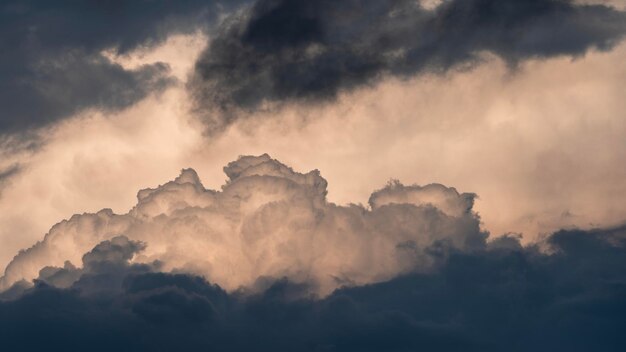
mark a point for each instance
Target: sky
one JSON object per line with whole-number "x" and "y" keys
{"x": 332, "y": 175}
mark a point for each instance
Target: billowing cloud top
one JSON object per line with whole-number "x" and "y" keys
{"x": 270, "y": 221}
{"x": 289, "y": 271}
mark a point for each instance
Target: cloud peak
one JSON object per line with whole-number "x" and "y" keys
{"x": 267, "y": 221}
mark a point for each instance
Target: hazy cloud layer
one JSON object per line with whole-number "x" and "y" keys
{"x": 7, "y": 173}
{"x": 270, "y": 221}
{"x": 283, "y": 50}
{"x": 52, "y": 64}
{"x": 619, "y": 4}
{"x": 501, "y": 297}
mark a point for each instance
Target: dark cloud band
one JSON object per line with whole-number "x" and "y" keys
{"x": 504, "y": 297}
{"x": 52, "y": 64}
{"x": 271, "y": 51}
{"x": 298, "y": 50}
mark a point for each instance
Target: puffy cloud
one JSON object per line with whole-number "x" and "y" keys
{"x": 284, "y": 269}
{"x": 448, "y": 200}
{"x": 491, "y": 140}
{"x": 543, "y": 147}
{"x": 267, "y": 221}
{"x": 285, "y": 50}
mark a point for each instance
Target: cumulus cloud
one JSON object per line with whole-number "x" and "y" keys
{"x": 543, "y": 148}
{"x": 267, "y": 263}
{"x": 286, "y": 50}
{"x": 268, "y": 221}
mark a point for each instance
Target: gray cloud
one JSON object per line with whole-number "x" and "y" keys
{"x": 502, "y": 297}
{"x": 52, "y": 64}
{"x": 269, "y": 51}
{"x": 293, "y": 50}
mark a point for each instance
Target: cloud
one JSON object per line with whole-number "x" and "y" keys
{"x": 411, "y": 271}
{"x": 501, "y": 297}
{"x": 619, "y": 4}
{"x": 487, "y": 141}
{"x": 7, "y": 173}
{"x": 59, "y": 56}
{"x": 266, "y": 263}
{"x": 53, "y": 64}
{"x": 543, "y": 147}
{"x": 291, "y": 50}
{"x": 269, "y": 221}
{"x": 443, "y": 198}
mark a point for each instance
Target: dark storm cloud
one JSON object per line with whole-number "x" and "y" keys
{"x": 273, "y": 50}
{"x": 311, "y": 50}
{"x": 51, "y": 64}
{"x": 503, "y": 298}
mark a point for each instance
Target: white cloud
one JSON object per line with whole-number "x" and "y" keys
{"x": 270, "y": 221}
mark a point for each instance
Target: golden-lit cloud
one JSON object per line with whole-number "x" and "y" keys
{"x": 541, "y": 145}
{"x": 312, "y": 175}
{"x": 269, "y": 221}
